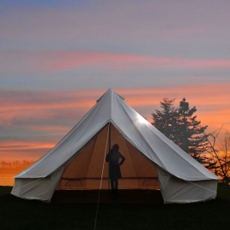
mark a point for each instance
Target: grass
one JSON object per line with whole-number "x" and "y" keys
{"x": 20, "y": 214}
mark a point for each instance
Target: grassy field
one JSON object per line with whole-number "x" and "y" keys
{"x": 21, "y": 214}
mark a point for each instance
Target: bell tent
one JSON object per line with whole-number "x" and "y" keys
{"x": 153, "y": 161}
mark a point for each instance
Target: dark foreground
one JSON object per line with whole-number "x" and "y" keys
{"x": 124, "y": 196}
{"x": 113, "y": 213}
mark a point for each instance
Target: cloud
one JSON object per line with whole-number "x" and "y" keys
{"x": 27, "y": 108}
{"x": 42, "y": 114}
{"x": 35, "y": 62}
{"x": 33, "y": 122}
{"x": 11, "y": 150}
{"x": 211, "y": 101}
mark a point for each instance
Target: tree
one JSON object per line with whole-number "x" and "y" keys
{"x": 165, "y": 120}
{"x": 190, "y": 134}
{"x": 219, "y": 156}
{"x": 181, "y": 126}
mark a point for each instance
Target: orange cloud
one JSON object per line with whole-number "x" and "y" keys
{"x": 21, "y": 150}
{"x": 203, "y": 94}
{"x": 25, "y": 145}
{"x": 22, "y": 106}
{"x": 211, "y": 101}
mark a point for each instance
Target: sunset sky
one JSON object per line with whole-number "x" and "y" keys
{"x": 57, "y": 57}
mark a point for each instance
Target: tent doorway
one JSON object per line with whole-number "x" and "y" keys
{"x": 89, "y": 171}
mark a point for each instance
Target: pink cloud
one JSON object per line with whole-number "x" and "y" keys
{"x": 58, "y": 60}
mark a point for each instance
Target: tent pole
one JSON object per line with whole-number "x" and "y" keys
{"x": 102, "y": 174}
{"x": 109, "y": 151}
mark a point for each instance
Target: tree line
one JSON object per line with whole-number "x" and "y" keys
{"x": 180, "y": 124}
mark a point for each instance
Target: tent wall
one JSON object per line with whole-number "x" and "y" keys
{"x": 37, "y": 188}
{"x": 175, "y": 190}
{"x": 138, "y": 172}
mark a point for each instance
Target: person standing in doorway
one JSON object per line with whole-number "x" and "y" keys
{"x": 115, "y": 159}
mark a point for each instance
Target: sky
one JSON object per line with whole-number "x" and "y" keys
{"x": 57, "y": 57}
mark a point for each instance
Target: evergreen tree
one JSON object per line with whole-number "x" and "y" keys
{"x": 181, "y": 126}
{"x": 165, "y": 120}
{"x": 190, "y": 134}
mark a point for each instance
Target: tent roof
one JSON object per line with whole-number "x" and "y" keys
{"x": 139, "y": 132}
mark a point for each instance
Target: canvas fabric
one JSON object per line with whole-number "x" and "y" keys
{"x": 152, "y": 160}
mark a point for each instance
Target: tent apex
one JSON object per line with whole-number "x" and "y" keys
{"x": 110, "y": 92}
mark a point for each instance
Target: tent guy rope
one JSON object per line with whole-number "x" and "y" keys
{"x": 102, "y": 173}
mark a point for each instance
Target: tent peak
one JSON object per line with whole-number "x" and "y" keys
{"x": 110, "y": 93}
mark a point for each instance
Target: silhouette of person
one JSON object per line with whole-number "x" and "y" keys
{"x": 115, "y": 159}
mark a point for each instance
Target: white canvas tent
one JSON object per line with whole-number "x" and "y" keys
{"x": 152, "y": 160}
